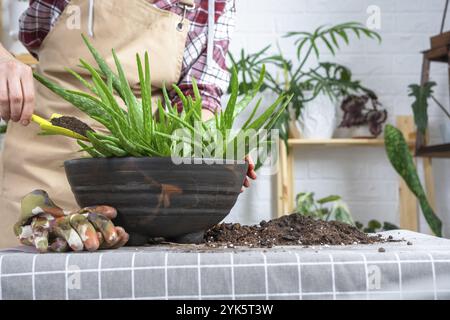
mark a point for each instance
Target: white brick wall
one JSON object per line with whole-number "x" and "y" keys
{"x": 362, "y": 175}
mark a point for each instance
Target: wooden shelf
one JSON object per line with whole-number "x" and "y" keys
{"x": 435, "y": 151}
{"x": 437, "y": 54}
{"x": 336, "y": 142}
{"x": 27, "y": 59}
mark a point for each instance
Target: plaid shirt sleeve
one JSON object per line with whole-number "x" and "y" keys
{"x": 212, "y": 80}
{"x": 36, "y": 22}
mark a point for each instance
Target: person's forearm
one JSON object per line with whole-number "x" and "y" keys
{"x": 16, "y": 89}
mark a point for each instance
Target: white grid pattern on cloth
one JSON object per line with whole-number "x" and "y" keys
{"x": 199, "y": 276}
{"x": 399, "y": 274}
{"x": 33, "y": 276}
{"x": 265, "y": 264}
{"x": 366, "y": 274}
{"x": 133, "y": 259}
{"x": 286, "y": 294}
{"x": 166, "y": 278}
{"x": 243, "y": 265}
{"x": 333, "y": 276}
{"x": 266, "y": 275}
{"x": 433, "y": 270}
{"x": 233, "y": 288}
{"x": 299, "y": 272}
{"x": 66, "y": 276}
{"x": 100, "y": 275}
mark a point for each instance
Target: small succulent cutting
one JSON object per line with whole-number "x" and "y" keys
{"x": 136, "y": 131}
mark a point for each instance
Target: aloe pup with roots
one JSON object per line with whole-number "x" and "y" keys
{"x": 136, "y": 132}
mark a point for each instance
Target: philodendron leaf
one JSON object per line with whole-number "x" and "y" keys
{"x": 398, "y": 153}
{"x": 329, "y": 199}
{"x": 341, "y": 213}
{"x": 305, "y": 203}
{"x": 420, "y": 105}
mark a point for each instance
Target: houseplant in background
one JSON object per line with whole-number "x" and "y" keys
{"x": 132, "y": 166}
{"x": 333, "y": 208}
{"x": 422, "y": 94}
{"x": 364, "y": 115}
{"x": 325, "y": 83}
{"x": 330, "y": 208}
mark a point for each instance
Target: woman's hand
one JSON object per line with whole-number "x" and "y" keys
{"x": 251, "y": 174}
{"x": 16, "y": 89}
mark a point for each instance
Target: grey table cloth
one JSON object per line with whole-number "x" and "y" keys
{"x": 417, "y": 271}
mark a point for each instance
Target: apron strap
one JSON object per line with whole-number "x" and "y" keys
{"x": 211, "y": 30}
{"x": 91, "y": 18}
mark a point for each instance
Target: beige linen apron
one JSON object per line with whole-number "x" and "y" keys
{"x": 35, "y": 162}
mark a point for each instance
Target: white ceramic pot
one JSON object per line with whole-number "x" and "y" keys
{"x": 361, "y": 132}
{"x": 318, "y": 118}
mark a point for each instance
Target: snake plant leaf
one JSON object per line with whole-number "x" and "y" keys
{"x": 399, "y": 155}
{"x": 420, "y": 105}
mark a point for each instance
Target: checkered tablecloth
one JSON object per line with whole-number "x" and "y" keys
{"x": 421, "y": 271}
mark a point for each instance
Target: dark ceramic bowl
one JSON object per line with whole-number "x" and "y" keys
{"x": 157, "y": 198}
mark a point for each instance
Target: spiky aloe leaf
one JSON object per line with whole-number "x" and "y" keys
{"x": 146, "y": 92}
{"x": 134, "y": 113}
{"x": 90, "y": 106}
{"x": 103, "y": 91}
{"x": 104, "y": 67}
{"x": 402, "y": 161}
{"x": 231, "y": 106}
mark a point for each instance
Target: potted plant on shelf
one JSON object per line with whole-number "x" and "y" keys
{"x": 134, "y": 168}
{"x": 364, "y": 115}
{"x": 317, "y": 90}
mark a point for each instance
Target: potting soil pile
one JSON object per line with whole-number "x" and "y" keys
{"x": 71, "y": 123}
{"x": 294, "y": 229}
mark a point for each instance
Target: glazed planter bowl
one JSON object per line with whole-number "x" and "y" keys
{"x": 155, "y": 197}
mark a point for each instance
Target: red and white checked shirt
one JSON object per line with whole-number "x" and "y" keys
{"x": 40, "y": 17}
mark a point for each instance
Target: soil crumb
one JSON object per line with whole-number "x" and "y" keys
{"x": 294, "y": 229}
{"x": 73, "y": 124}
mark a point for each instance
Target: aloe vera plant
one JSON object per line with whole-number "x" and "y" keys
{"x": 136, "y": 132}
{"x": 401, "y": 159}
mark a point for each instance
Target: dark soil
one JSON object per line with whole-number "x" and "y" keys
{"x": 73, "y": 124}
{"x": 294, "y": 229}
